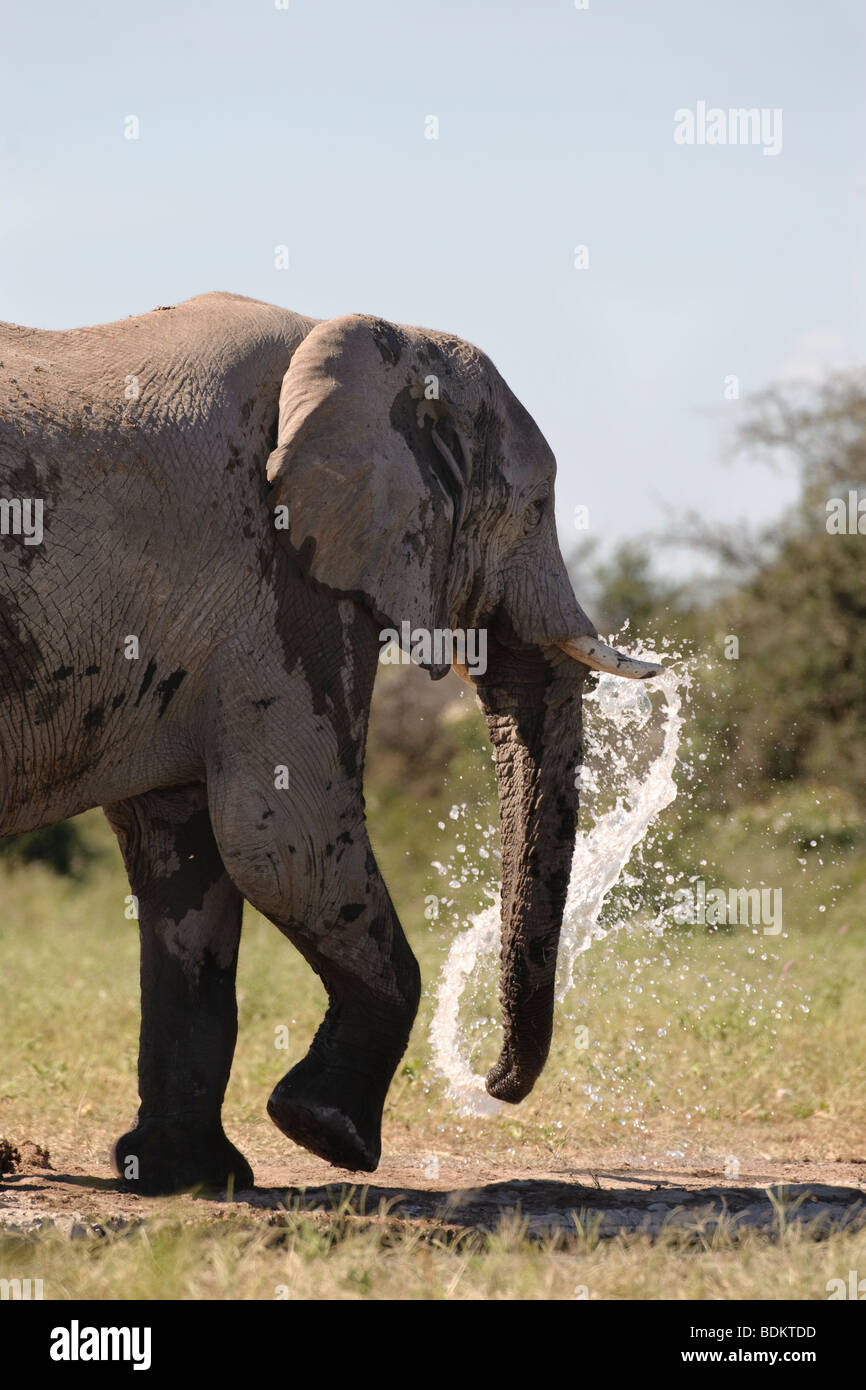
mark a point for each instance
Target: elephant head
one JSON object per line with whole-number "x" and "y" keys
{"x": 416, "y": 484}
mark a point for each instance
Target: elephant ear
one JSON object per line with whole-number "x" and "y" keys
{"x": 371, "y": 466}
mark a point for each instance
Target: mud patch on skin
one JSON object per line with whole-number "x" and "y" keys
{"x": 194, "y": 843}
{"x": 192, "y": 846}
{"x": 439, "y": 511}
{"x": 93, "y": 719}
{"x": 147, "y": 681}
{"x": 21, "y": 657}
{"x": 349, "y": 911}
{"x": 317, "y": 627}
{"x": 21, "y": 653}
{"x": 166, "y": 689}
{"x": 388, "y": 340}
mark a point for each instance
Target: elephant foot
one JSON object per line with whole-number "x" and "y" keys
{"x": 156, "y": 1159}
{"x": 325, "y": 1113}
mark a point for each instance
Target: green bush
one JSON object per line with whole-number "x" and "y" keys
{"x": 62, "y": 847}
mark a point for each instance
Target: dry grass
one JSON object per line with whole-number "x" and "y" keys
{"x": 790, "y": 1086}
{"x": 333, "y": 1256}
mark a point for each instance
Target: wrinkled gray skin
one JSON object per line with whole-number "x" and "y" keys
{"x": 258, "y": 648}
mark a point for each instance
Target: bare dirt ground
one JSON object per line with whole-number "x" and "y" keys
{"x": 465, "y": 1194}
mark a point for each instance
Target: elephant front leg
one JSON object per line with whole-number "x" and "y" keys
{"x": 325, "y": 893}
{"x": 332, "y": 1101}
{"x": 284, "y": 775}
{"x": 190, "y": 920}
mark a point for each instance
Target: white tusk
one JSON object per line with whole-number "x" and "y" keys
{"x": 600, "y": 657}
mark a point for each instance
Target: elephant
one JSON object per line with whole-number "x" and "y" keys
{"x": 210, "y": 513}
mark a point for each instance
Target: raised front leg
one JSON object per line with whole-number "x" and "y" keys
{"x": 190, "y": 920}
{"x": 325, "y": 893}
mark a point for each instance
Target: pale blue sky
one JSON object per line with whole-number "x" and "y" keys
{"x": 306, "y": 127}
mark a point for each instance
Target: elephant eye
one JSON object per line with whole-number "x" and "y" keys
{"x": 533, "y": 514}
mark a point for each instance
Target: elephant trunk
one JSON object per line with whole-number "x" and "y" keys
{"x": 532, "y": 703}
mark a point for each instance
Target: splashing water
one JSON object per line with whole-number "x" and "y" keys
{"x": 618, "y": 739}
{"x": 621, "y": 900}
{"x": 602, "y": 853}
